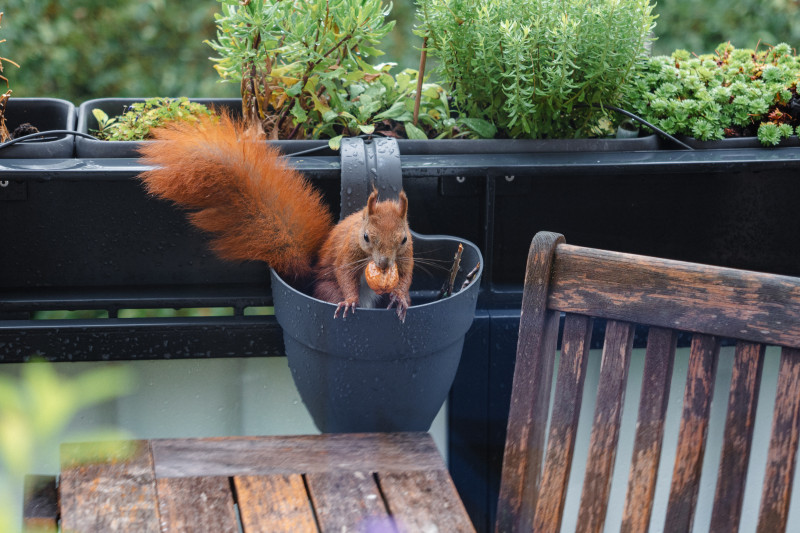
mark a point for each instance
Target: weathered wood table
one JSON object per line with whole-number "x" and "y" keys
{"x": 335, "y": 482}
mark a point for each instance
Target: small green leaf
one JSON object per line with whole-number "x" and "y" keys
{"x": 413, "y": 132}
{"x": 295, "y": 89}
{"x": 368, "y": 50}
{"x": 100, "y": 115}
{"x": 354, "y": 76}
{"x": 367, "y": 129}
{"x": 299, "y": 113}
{"x": 483, "y": 128}
{"x": 335, "y": 142}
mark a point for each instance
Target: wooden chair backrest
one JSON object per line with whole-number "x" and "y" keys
{"x": 712, "y": 303}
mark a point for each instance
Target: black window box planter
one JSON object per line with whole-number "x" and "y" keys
{"x": 95, "y": 148}
{"x": 46, "y": 114}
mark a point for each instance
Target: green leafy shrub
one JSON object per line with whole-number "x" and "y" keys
{"x": 304, "y": 73}
{"x": 531, "y": 67}
{"x": 730, "y": 93}
{"x": 83, "y": 49}
{"x": 135, "y": 124}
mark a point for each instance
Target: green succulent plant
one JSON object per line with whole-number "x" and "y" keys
{"x": 140, "y": 117}
{"x": 730, "y": 93}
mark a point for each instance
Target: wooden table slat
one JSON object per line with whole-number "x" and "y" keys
{"x": 348, "y": 501}
{"x": 230, "y": 456}
{"x": 424, "y": 501}
{"x": 110, "y": 488}
{"x": 196, "y": 504}
{"x": 40, "y": 504}
{"x": 277, "y": 503}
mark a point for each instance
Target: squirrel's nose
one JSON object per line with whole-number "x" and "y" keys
{"x": 383, "y": 263}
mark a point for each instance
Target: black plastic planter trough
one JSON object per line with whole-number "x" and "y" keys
{"x": 45, "y": 114}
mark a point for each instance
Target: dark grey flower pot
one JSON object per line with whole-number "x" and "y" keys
{"x": 370, "y": 371}
{"x": 46, "y": 114}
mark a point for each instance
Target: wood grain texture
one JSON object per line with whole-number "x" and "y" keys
{"x": 277, "y": 503}
{"x": 781, "y": 460}
{"x": 348, "y": 501}
{"x": 692, "y": 434}
{"x": 192, "y": 504}
{"x": 738, "y": 437}
{"x": 668, "y": 296}
{"x": 656, "y": 381}
{"x": 563, "y": 422}
{"x": 424, "y": 501}
{"x": 40, "y": 504}
{"x": 530, "y": 397}
{"x": 752, "y": 306}
{"x": 108, "y": 487}
{"x": 233, "y": 456}
{"x": 605, "y": 427}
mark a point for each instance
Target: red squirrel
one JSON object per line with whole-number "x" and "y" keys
{"x": 257, "y": 207}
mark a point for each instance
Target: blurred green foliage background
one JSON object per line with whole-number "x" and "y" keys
{"x": 82, "y": 49}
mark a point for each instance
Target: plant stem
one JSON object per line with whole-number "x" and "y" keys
{"x": 420, "y": 75}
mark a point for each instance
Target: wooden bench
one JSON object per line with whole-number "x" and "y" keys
{"x": 711, "y": 303}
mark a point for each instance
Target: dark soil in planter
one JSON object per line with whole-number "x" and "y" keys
{"x": 32, "y": 115}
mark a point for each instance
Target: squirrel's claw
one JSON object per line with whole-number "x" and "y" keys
{"x": 343, "y": 306}
{"x": 402, "y": 305}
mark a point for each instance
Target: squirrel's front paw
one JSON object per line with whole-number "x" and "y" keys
{"x": 401, "y": 301}
{"x": 343, "y": 306}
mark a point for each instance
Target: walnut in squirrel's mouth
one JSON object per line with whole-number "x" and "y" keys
{"x": 381, "y": 281}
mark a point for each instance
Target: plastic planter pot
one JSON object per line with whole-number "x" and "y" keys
{"x": 46, "y": 114}
{"x": 97, "y": 149}
{"x": 369, "y": 371}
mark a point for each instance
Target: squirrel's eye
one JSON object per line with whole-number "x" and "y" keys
{"x": 366, "y": 237}
{"x": 405, "y": 239}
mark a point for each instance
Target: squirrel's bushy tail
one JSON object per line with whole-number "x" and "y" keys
{"x": 243, "y": 192}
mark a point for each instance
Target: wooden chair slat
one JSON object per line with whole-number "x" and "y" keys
{"x": 563, "y": 422}
{"x": 739, "y": 423}
{"x": 413, "y": 510}
{"x": 605, "y": 426}
{"x": 656, "y": 380}
{"x": 782, "y": 455}
{"x": 745, "y": 305}
{"x": 692, "y": 434}
{"x": 342, "y": 500}
{"x": 533, "y": 375}
{"x": 276, "y": 503}
{"x": 99, "y": 493}
{"x": 192, "y": 504}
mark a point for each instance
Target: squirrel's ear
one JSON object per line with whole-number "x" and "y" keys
{"x": 371, "y": 201}
{"x": 403, "y": 204}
